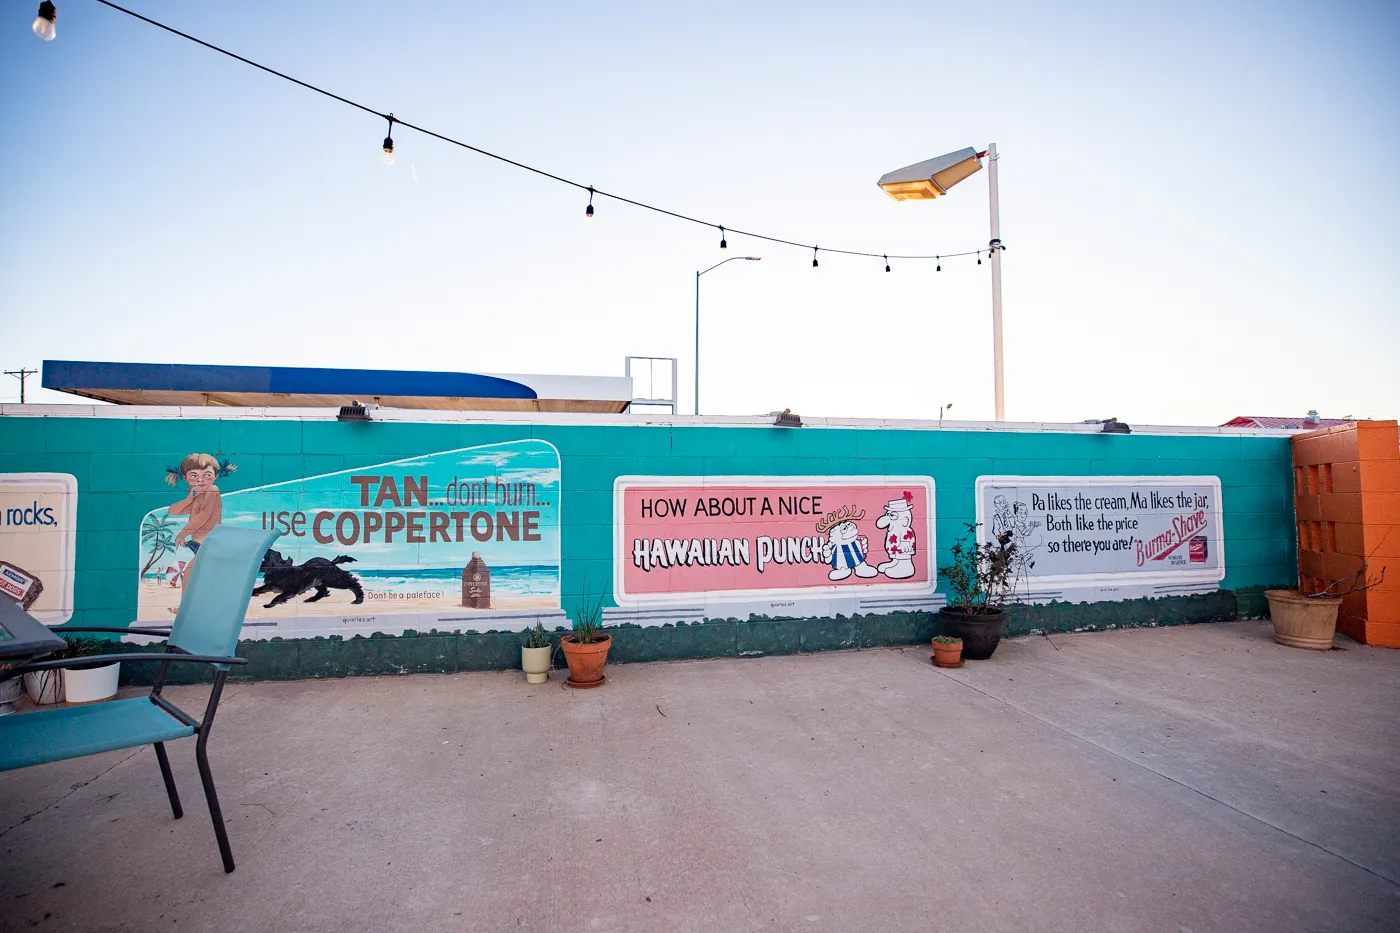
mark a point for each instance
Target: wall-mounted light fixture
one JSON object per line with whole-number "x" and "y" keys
{"x": 353, "y": 412}
{"x": 786, "y": 419}
{"x": 1114, "y": 426}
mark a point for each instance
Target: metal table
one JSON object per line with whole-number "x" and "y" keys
{"x": 22, "y": 636}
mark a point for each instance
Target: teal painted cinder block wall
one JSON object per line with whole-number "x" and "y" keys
{"x": 120, "y": 467}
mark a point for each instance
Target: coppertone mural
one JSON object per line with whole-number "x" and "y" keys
{"x": 435, "y": 541}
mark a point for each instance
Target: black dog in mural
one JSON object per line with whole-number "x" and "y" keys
{"x": 289, "y": 579}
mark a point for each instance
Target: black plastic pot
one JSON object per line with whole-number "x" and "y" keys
{"x": 980, "y": 631}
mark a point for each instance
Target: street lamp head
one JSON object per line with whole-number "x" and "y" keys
{"x": 753, "y": 258}
{"x": 927, "y": 180}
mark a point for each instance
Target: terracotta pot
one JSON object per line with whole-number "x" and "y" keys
{"x": 535, "y": 663}
{"x": 586, "y": 661}
{"x": 980, "y": 631}
{"x": 947, "y": 655}
{"x": 1303, "y": 622}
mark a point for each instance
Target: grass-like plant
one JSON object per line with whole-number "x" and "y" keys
{"x": 588, "y": 617}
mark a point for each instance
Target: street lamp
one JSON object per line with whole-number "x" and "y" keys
{"x": 697, "y": 319}
{"x": 924, "y": 181}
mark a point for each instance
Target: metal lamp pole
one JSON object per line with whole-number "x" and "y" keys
{"x": 924, "y": 181}
{"x": 697, "y": 319}
{"x": 994, "y": 247}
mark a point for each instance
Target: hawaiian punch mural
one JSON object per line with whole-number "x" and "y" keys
{"x": 442, "y": 540}
{"x": 722, "y": 540}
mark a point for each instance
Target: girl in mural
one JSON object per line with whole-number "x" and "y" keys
{"x": 203, "y": 505}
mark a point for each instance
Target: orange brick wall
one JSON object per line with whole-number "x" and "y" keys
{"x": 1347, "y": 498}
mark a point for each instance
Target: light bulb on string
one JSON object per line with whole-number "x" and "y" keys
{"x": 45, "y": 24}
{"x": 979, "y": 257}
{"x": 814, "y": 257}
{"x": 589, "y": 211}
{"x": 387, "y": 156}
{"x": 887, "y": 264}
{"x": 723, "y": 243}
{"x": 939, "y": 267}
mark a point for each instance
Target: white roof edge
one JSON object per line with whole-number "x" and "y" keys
{"x": 588, "y": 388}
{"x": 409, "y": 415}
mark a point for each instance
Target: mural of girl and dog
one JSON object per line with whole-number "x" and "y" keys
{"x": 408, "y": 543}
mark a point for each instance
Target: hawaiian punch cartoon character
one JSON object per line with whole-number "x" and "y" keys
{"x": 845, "y": 549}
{"x": 900, "y": 543}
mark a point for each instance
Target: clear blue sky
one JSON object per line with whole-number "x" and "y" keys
{"x": 1199, "y": 200}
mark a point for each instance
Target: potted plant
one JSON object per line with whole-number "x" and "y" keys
{"x": 1310, "y": 620}
{"x": 981, "y": 579}
{"x": 586, "y": 648}
{"x": 535, "y": 651}
{"x": 947, "y": 651}
{"x": 10, "y": 690}
{"x": 81, "y": 684}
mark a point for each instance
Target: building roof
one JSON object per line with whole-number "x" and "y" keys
{"x": 1306, "y": 422}
{"x": 301, "y": 387}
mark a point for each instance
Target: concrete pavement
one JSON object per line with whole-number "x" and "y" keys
{"x": 1195, "y": 778}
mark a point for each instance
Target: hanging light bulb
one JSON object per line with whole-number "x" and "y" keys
{"x": 46, "y": 22}
{"x": 814, "y": 257}
{"x": 979, "y": 257}
{"x": 387, "y": 156}
{"x": 723, "y": 244}
{"x": 589, "y": 211}
{"x": 939, "y": 267}
{"x": 887, "y": 264}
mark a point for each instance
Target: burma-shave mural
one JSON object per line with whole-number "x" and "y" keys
{"x": 451, "y": 540}
{"x": 772, "y": 543}
{"x": 1106, "y": 537}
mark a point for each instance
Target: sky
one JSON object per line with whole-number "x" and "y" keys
{"x": 1198, "y": 200}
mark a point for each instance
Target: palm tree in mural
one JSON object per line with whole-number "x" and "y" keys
{"x": 157, "y": 534}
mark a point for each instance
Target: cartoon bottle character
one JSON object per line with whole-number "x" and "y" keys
{"x": 845, "y": 547}
{"x": 900, "y": 542}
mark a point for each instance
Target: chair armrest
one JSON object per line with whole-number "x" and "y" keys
{"x": 110, "y": 658}
{"x": 158, "y": 632}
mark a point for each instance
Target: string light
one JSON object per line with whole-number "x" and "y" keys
{"x": 387, "y": 157}
{"x": 939, "y": 267}
{"x": 887, "y": 264}
{"x": 44, "y": 28}
{"x": 979, "y": 257}
{"x": 46, "y": 23}
{"x": 723, "y": 244}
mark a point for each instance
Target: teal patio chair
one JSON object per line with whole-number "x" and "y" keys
{"x": 205, "y": 631}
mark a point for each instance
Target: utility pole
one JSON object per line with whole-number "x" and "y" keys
{"x": 20, "y": 374}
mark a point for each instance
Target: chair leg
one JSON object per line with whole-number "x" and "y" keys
{"x": 169, "y": 780}
{"x": 215, "y": 813}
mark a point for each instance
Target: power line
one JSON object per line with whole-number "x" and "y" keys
{"x": 521, "y": 165}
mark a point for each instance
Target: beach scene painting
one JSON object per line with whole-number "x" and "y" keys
{"x": 455, "y": 540}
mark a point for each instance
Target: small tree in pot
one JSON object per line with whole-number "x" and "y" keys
{"x": 1310, "y": 620}
{"x": 982, "y": 579}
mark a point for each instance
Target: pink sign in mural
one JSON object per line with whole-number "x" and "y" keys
{"x": 676, "y": 538}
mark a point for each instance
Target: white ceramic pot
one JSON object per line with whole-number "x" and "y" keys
{"x": 44, "y": 686}
{"x": 92, "y": 684}
{"x": 535, "y": 662}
